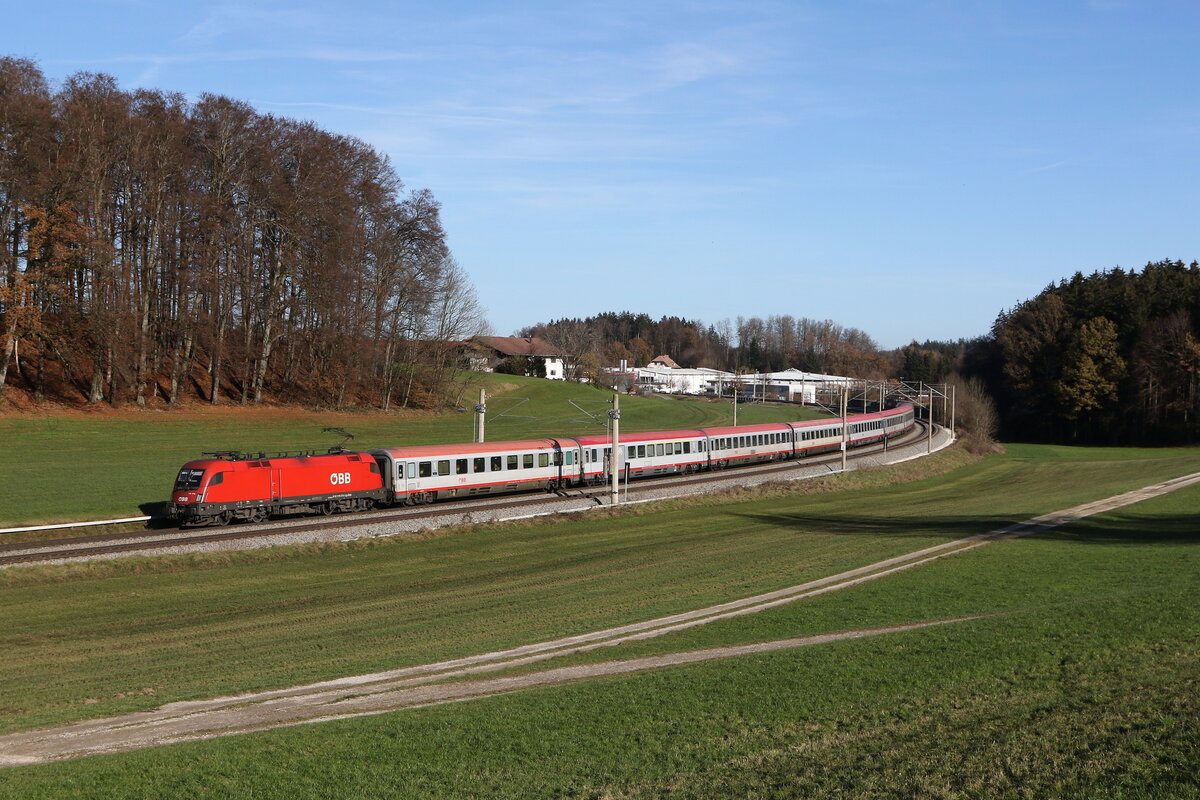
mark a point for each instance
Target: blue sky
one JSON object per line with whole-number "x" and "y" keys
{"x": 907, "y": 168}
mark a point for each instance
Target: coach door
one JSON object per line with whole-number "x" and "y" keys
{"x": 557, "y": 462}
{"x": 406, "y": 478}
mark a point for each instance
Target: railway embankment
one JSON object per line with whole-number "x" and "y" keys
{"x": 452, "y": 514}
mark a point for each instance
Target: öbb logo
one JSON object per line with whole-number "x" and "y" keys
{"x": 339, "y": 478}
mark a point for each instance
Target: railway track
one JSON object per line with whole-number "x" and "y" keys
{"x": 34, "y": 552}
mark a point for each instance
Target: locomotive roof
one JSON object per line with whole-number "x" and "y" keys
{"x": 243, "y": 463}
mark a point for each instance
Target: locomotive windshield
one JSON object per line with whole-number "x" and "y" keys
{"x": 189, "y": 479}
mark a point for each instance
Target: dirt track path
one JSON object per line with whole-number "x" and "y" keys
{"x": 411, "y": 687}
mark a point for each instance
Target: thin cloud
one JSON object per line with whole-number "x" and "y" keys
{"x": 231, "y": 19}
{"x": 1048, "y": 167}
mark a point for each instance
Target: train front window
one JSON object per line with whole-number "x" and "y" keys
{"x": 189, "y": 479}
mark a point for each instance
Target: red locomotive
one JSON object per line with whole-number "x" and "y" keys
{"x": 229, "y": 486}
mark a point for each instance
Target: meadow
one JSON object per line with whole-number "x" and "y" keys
{"x": 108, "y": 464}
{"x": 1079, "y": 680}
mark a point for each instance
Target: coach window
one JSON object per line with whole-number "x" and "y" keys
{"x": 497, "y": 463}
{"x": 570, "y": 457}
{"x": 460, "y": 466}
{"x": 216, "y": 480}
{"x": 658, "y": 449}
{"x": 641, "y": 451}
{"x": 512, "y": 462}
{"x": 543, "y": 459}
{"x": 444, "y": 467}
{"x": 426, "y": 469}
{"x": 480, "y": 465}
{"x": 527, "y": 461}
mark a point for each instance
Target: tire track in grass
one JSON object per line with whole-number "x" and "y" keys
{"x": 410, "y": 687}
{"x": 151, "y": 729}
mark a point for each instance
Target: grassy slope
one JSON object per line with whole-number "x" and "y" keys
{"x": 271, "y": 619}
{"x": 66, "y": 467}
{"x": 1087, "y": 688}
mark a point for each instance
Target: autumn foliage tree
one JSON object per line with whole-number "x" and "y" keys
{"x": 156, "y": 249}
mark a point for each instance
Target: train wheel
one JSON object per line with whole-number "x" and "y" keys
{"x": 326, "y": 509}
{"x": 223, "y": 518}
{"x": 257, "y": 515}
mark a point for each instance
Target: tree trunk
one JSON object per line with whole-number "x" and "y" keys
{"x": 387, "y": 374}
{"x": 214, "y": 367}
{"x": 96, "y": 392}
{"x": 10, "y": 347}
{"x": 264, "y": 356}
{"x": 39, "y": 384}
{"x": 181, "y": 359}
{"x": 108, "y": 376}
{"x": 143, "y": 347}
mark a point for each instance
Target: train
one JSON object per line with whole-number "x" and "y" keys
{"x": 230, "y": 486}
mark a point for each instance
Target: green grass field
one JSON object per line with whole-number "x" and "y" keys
{"x": 110, "y": 464}
{"x": 1084, "y": 685}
